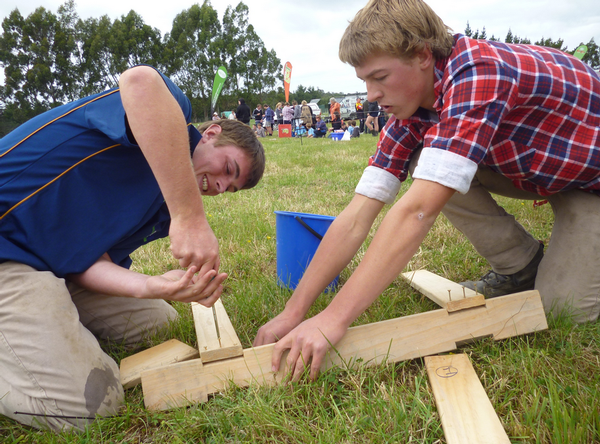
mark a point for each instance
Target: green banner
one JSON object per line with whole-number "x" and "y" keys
{"x": 220, "y": 78}
{"x": 580, "y": 52}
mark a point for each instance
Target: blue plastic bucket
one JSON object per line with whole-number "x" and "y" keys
{"x": 298, "y": 237}
{"x": 337, "y": 136}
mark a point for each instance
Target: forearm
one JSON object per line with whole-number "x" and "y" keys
{"x": 160, "y": 129}
{"x": 398, "y": 238}
{"x": 339, "y": 245}
{"x": 175, "y": 285}
{"x": 108, "y": 278}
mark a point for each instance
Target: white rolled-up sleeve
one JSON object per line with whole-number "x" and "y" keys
{"x": 446, "y": 168}
{"x": 378, "y": 184}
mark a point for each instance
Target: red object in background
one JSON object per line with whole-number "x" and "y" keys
{"x": 285, "y": 130}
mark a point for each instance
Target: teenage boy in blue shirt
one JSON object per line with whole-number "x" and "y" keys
{"x": 81, "y": 187}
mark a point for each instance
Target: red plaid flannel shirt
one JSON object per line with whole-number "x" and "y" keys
{"x": 529, "y": 113}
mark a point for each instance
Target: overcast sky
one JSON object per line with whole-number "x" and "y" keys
{"x": 307, "y": 33}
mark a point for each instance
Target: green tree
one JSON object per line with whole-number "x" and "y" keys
{"x": 106, "y": 49}
{"x": 468, "y": 30}
{"x": 192, "y": 52}
{"x": 51, "y": 59}
{"x": 95, "y": 60}
{"x": 549, "y": 43}
{"x": 235, "y": 23}
{"x": 253, "y": 71}
{"x": 308, "y": 93}
{"x": 258, "y": 68}
{"x": 133, "y": 42}
{"x": 510, "y": 38}
{"x": 37, "y": 54}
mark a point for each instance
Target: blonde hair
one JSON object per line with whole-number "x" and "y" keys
{"x": 304, "y": 102}
{"x": 241, "y": 135}
{"x": 400, "y": 28}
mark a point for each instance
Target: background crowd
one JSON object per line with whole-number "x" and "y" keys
{"x": 304, "y": 121}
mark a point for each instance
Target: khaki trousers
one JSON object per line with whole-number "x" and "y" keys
{"x": 53, "y": 373}
{"x": 568, "y": 277}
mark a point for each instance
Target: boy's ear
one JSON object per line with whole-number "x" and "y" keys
{"x": 425, "y": 57}
{"x": 212, "y": 131}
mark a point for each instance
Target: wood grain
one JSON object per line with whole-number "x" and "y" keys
{"x": 208, "y": 342}
{"x": 465, "y": 410}
{"x": 436, "y": 287}
{"x": 167, "y": 353}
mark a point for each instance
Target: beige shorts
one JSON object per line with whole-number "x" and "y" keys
{"x": 54, "y": 373}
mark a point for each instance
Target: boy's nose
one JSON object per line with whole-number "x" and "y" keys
{"x": 373, "y": 94}
{"x": 223, "y": 185}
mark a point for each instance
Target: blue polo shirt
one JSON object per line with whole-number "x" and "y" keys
{"x": 75, "y": 185}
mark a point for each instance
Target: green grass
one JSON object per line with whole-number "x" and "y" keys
{"x": 543, "y": 386}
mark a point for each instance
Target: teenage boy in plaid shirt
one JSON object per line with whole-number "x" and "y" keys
{"x": 470, "y": 117}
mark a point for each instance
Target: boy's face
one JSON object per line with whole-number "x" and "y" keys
{"x": 219, "y": 169}
{"x": 399, "y": 86}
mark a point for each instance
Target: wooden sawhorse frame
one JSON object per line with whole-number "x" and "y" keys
{"x": 178, "y": 375}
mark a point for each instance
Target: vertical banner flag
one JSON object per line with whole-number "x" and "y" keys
{"x": 220, "y": 78}
{"x": 287, "y": 75}
{"x": 580, "y": 52}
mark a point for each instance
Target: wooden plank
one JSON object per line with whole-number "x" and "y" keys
{"x": 183, "y": 385}
{"x": 436, "y": 287}
{"x": 208, "y": 342}
{"x": 465, "y": 303}
{"x": 465, "y": 410}
{"x": 161, "y": 355}
{"x": 393, "y": 340}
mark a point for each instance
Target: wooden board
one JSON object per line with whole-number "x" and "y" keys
{"x": 159, "y": 356}
{"x": 208, "y": 343}
{"x": 465, "y": 410}
{"x": 465, "y": 303}
{"x": 436, "y": 287}
{"x": 393, "y": 340}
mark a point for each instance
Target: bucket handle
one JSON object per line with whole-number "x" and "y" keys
{"x": 308, "y": 227}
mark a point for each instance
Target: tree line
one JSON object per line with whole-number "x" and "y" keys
{"x": 592, "y": 57}
{"x": 50, "y": 59}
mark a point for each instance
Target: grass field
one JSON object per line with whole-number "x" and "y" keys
{"x": 543, "y": 386}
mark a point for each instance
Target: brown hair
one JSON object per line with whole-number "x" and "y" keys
{"x": 241, "y": 135}
{"x": 400, "y": 28}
